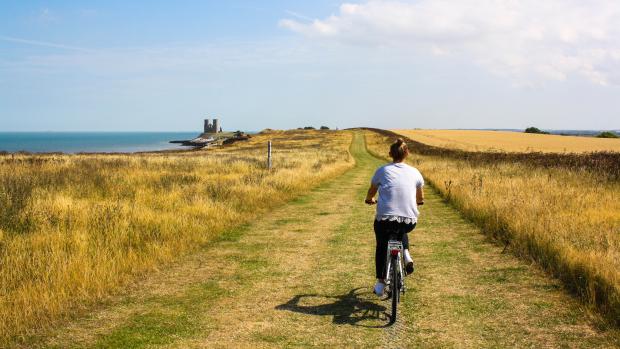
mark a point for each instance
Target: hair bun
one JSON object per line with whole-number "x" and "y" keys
{"x": 398, "y": 150}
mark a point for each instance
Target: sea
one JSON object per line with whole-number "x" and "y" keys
{"x": 104, "y": 142}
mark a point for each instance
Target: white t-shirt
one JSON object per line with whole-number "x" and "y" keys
{"x": 398, "y": 183}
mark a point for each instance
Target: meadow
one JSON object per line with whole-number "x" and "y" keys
{"x": 506, "y": 141}
{"x": 564, "y": 218}
{"x": 77, "y": 229}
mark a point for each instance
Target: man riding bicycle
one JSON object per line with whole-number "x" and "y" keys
{"x": 400, "y": 192}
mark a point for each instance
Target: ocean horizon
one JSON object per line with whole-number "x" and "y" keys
{"x": 97, "y": 142}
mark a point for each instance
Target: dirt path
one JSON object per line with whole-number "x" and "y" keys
{"x": 302, "y": 276}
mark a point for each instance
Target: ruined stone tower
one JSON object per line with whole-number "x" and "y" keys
{"x": 216, "y": 125}
{"x": 212, "y": 127}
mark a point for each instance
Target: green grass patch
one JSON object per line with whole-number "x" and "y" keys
{"x": 446, "y": 252}
{"x": 168, "y": 319}
{"x": 152, "y": 328}
{"x": 302, "y": 200}
{"x": 285, "y": 221}
{"x": 474, "y": 305}
{"x": 502, "y": 275}
{"x": 253, "y": 263}
{"x": 268, "y": 337}
{"x": 232, "y": 235}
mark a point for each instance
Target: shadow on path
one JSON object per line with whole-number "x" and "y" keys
{"x": 352, "y": 308}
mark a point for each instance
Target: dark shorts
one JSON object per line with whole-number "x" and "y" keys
{"x": 383, "y": 230}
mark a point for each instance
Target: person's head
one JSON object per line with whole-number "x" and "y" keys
{"x": 399, "y": 150}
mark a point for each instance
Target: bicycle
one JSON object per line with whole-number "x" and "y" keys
{"x": 394, "y": 277}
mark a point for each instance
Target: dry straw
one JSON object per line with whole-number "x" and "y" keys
{"x": 76, "y": 228}
{"x": 557, "y": 211}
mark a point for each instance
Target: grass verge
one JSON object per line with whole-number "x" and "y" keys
{"x": 567, "y": 221}
{"x": 75, "y": 229}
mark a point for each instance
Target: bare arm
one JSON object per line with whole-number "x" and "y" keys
{"x": 370, "y": 197}
{"x": 419, "y": 195}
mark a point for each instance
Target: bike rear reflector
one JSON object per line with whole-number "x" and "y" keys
{"x": 394, "y": 252}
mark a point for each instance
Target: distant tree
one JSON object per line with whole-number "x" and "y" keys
{"x": 309, "y": 128}
{"x": 535, "y": 130}
{"x": 607, "y": 134}
{"x": 324, "y": 128}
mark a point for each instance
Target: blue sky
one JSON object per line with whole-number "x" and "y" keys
{"x": 159, "y": 66}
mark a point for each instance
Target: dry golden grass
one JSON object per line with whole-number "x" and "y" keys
{"x": 474, "y": 140}
{"x": 567, "y": 221}
{"x": 75, "y": 228}
{"x": 296, "y": 266}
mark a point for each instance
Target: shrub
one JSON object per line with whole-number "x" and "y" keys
{"x": 607, "y": 134}
{"x": 535, "y": 130}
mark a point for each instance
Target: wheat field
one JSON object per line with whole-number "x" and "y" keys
{"x": 475, "y": 140}
{"x": 567, "y": 221}
{"x": 75, "y": 229}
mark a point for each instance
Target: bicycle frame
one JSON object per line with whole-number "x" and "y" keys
{"x": 395, "y": 253}
{"x": 394, "y": 280}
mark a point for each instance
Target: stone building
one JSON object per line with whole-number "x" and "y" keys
{"x": 212, "y": 127}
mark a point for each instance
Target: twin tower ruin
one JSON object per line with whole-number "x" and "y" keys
{"x": 212, "y": 127}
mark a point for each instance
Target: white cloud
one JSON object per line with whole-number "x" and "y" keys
{"x": 524, "y": 40}
{"x": 298, "y": 15}
{"x": 41, "y": 43}
{"x": 159, "y": 60}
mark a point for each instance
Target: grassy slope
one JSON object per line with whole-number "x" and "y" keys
{"x": 302, "y": 275}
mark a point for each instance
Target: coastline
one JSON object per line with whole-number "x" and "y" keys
{"x": 90, "y": 142}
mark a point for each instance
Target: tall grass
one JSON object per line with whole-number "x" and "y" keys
{"x": 567, "y": 221}
{"x": 76, "y": 228}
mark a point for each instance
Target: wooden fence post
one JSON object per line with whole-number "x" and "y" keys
{"x": 269, "y": 155}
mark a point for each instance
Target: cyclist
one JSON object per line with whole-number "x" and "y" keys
{"x": 400, "y": 192}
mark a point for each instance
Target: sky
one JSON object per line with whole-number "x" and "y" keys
{"x": 165, "y": 66}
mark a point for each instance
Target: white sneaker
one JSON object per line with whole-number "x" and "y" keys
{"x": 408, "y": 262}
{"x": 379, "y": 287}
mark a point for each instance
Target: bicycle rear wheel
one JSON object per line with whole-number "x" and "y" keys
{"x": 395, "y": 287}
